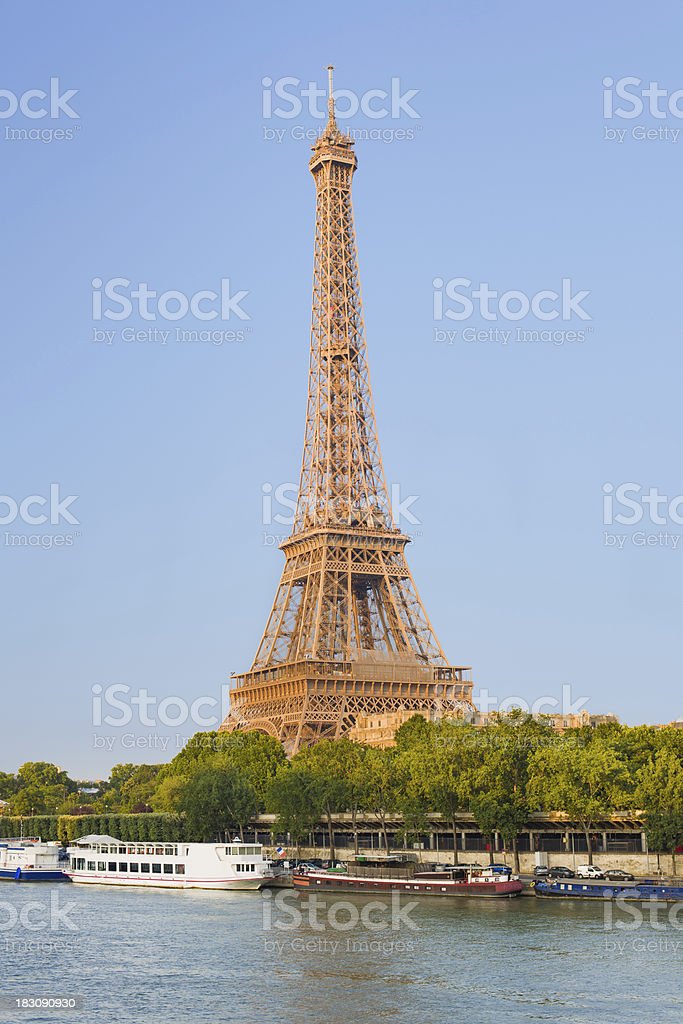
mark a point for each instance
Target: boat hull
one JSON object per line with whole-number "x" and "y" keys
{"x": 322, "y": 882}
{"x": 236, "y": 884}
{"x": 32, "y": 875}
{"x": 605, "y": 891}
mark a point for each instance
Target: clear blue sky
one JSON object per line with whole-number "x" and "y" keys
{"x": 169, "y": 180}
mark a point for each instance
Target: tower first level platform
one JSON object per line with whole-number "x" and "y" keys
{"x": 301, "y": 702}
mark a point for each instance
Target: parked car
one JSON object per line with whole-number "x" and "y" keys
{"x": 589, "y": 871}
{"x": 560, "y": 871}
{"x": 541, "y": 871}
{"x": 500, "y": 869}
{"x": 617, "y": 875}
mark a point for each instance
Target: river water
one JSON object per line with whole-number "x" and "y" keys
{"x": 132, "y": 955}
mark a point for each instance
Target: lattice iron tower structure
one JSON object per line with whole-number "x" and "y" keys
{"x": 347, "y": 634}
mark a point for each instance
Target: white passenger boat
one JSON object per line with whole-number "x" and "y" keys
{"x": 104, "y": 860}
{"x": 31, "y": 860}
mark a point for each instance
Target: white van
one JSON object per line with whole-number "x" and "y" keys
{"x": 589, "y": 871}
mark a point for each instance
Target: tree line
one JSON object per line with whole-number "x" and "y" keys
{"x": 500, "y": 774}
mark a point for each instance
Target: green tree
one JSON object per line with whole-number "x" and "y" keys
{"x": 586, "y": 782}
{"x": 41, "y": 788}
{"x": 381, "y": 791}
{"x": 659, "y": 793}
{"x": 216, "y": 802}
{"x": 444, "y": 767}
{"x": 416, "y": 732}
{"x": 255, "y": 755}
{"x": 328, "y": 764}
{"x": 167, "y": 796}
{"x": 294, "y": 795}
{"x": 500, "y": 803}
{"x": 9, "y": 784}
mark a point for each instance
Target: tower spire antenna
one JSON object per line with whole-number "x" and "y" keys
{"x": 331, "y": 121}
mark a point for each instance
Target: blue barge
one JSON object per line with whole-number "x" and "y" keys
{"x": 584, "y": 889}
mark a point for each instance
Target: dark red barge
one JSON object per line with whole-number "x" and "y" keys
{"x": 376, "y": 876}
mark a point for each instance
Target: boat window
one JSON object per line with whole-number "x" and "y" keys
{"x": 101, "y": 866}
{"x": 123, "y": 866}
{"x": 112, "y": 865}
{"x": 156, "y": 869}
{"x": 104, "y": 849}
{"x": 168, "y": 869}
{"x": 180, "y": 869}
{"x": 144, "y": 868}
{"x": 134, "y": 867}
{"x": 159, "y": 851}
{"x": 130, "y": 850}
{"x": 149, "y": 849}
{"x": 91, "y": 865}
{"x": 169, "y": 851}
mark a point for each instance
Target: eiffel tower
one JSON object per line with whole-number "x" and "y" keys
{"x": 347, "y": 634}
